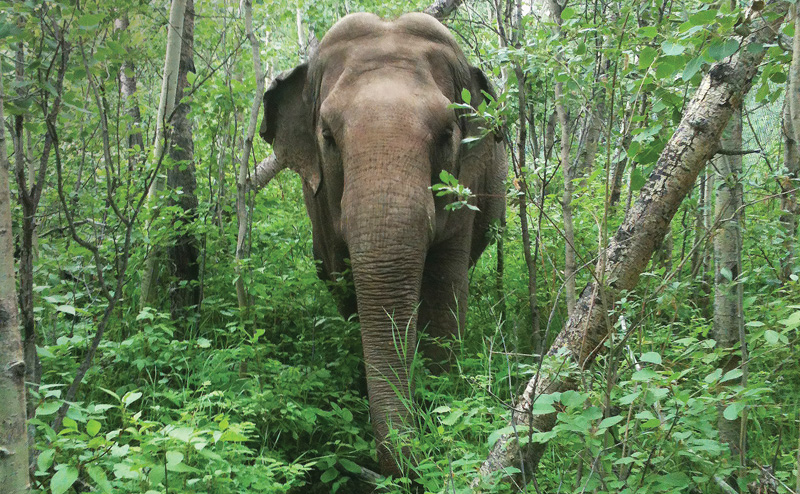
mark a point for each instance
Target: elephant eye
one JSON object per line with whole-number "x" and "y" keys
{"x": 327, "y": 135}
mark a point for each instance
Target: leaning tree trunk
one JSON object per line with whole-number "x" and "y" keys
{"x": 166, "y": 105}
{"x": 183, "y": 251}
{"x": 728, "y": 327}
{"x": 694, "y": 142}
{"x": 13, "y": 438}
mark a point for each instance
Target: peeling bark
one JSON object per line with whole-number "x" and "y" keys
{"x": 183, "y": 253}
{"x": 728, "y": 327}
{"x": 695, "y": 141}
{"x": 166, "y": 105}
{"x": 13, "y": 436}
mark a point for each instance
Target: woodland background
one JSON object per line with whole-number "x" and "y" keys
{"x": 175, "y": 337}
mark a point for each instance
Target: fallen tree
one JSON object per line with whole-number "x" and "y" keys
{"x": 583, "y": 337}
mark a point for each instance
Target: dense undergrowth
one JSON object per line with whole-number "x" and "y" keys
{"x": 274, "y": 401}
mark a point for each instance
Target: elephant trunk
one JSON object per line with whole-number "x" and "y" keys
{"x": 387, "y": 223}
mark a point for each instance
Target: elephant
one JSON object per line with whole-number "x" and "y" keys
{"x": 368, "y": 124}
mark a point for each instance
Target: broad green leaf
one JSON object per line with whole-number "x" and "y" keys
{"x": 672, "y": 49}
{"x": 629, "y": 398}
{"x": 731, "y": 375}
{"x": 349, "y": 465}
{"x": 703, "y": 17}
{"x": 652, "y": 357}
{"x": 453, "y": 417}
{"x": 347, "y": 415}
{"x": 692, "y": 68}
{"x": 67, "y": 309}
{"x": 646, "y": 57}
{"x": 732, "y": 411}
{"x": 676, "y": 480}
{"x": 63, "y": 479}
{"x": 99, "y": 476}
{"x": 610, "y": 421}
{"x": 45, "y": 459}
{"x": 466, "y": 97}
{"x": 173, "y": 458}
{"x": 572, "y": 398}
{"x": 47, "y": 408}
{"x": 772, "y": 337}
{"x": 792, "y": 321}
{"x": 130, "y": 397}
{"x": 92, "y": 427}
{"x": 720, "y": 50}
{"x": 644, "y": 375}
{"x": 328, "y": 475}
{"x": 568, "y": 13}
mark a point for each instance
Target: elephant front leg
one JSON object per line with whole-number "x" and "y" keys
{"x": 443, "y": 305}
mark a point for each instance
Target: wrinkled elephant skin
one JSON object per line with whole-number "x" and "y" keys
{"x": 367, "y": 125}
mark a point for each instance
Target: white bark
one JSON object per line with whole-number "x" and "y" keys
{"x": 13, "y": 436}
{"x": 242, "y": 181}
{"x": 166, "y": 105}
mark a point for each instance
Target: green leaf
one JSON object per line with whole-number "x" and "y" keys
{"x": 92, "y": 427}
{"x": 572, "y": 398}
{"x": 48, "y": 408}
{"x": 567, "y": 14}
{"x": 703, "y": 17}
{"x": 453, "y": 417}
{"x": 610, "y": 421}
{"x": 672, "y": 49}
{"x": 732, "y": 411}
{"x": 349, "y": 465}
{"x": 644, "y": 375}
{"x": 89, "y": 21}
{"x": 329, "y": 475}
{"x": 99, "y": 476}
{"x": 792, "y": 321}
{"x": 692, "y": 68}
{"x": 651, "y": 357}
{"x": 676, "y": 480}
{"x": 731, "y": 375}
{"x": 173, "y": 458}
{"x": 719, "y": 50}
{"x": 466, "y": 97}
{"x": 203, "y": 342}
{"x": 646, "y": 57}
{"x": 629, "y": 398}
{"x": 67, "y": 309}
{"x": 45, "y": 459}
{"x": 347, "y": 415}
{"x": 772, "y": 337}
{"x": 130, "y": 397}
{"x": 648, "y": 32}
{"x": 63, "y": 479}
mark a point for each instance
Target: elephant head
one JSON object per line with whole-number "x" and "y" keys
{"x": 368, "y": 125}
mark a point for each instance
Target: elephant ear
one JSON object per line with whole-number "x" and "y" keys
{"x": 287, "y": 125}
{"x": 480, "y": 87}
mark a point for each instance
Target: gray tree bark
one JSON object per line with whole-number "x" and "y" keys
{"x": 694, "y": 142}
{"x": 166, "y": 106}
{"x": 728, "y": 327}
{"x": 127, "y": 82}
{"x": 183, "y": 251}
{"x": 13, "y": 437}
{"x": 242, "y": 181}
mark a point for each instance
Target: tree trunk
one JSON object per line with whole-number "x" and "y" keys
{"x": 183, "y": 251}
{"x": 728, "y": 328}
{"x": 166, "y": 106}
{"x": 789, "y": 183}
{"x": 694, "y": 142}
{"x": 242, "y": 181}
{"x": 13, "y": 437}
{"x": 127, "y": 82}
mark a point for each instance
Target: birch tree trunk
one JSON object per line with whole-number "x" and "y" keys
{"x": 183, "y": 251}
{"x": 790, "y": 183}
{"x": 166, "y": 105}
{"x": 13, "y": 436}
{"x": 694, "y": 142}
{"x": 242, "y": 182}
{"x": 127, "y": 82}
{"x": 728, "y": 327}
